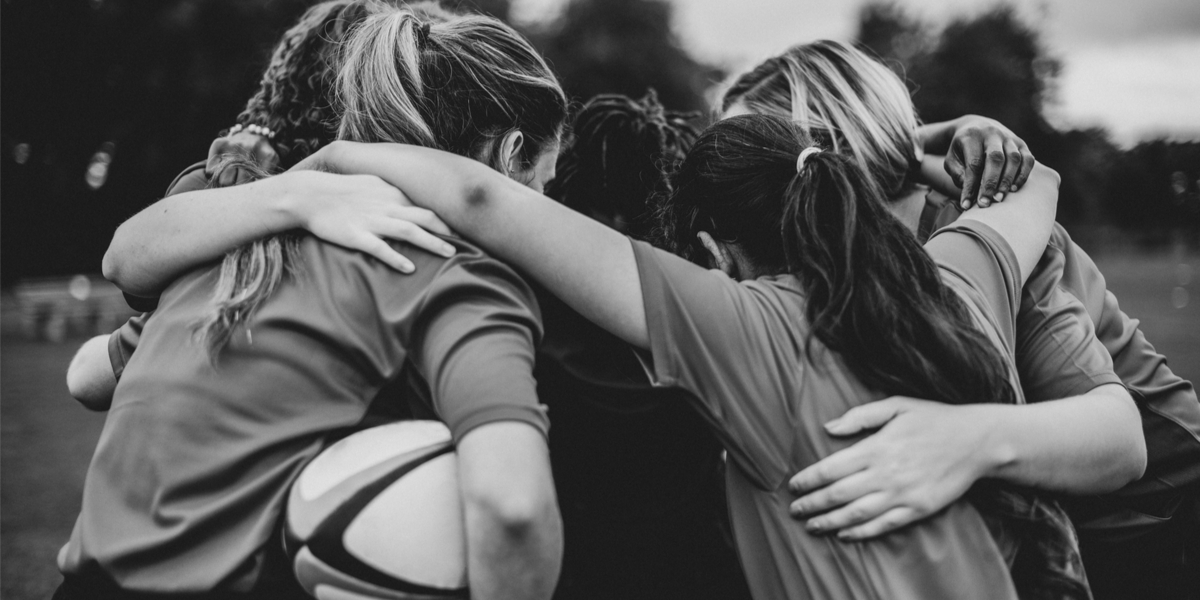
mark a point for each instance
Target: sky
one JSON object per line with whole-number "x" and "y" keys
{"x": 1132, "y": 66}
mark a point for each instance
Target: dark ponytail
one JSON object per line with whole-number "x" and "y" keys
{"x": 872, "y": 294}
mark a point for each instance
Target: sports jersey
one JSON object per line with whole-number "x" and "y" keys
{"x": 1133, "y": 539}
{"x": 196, "y": 456}
{"x": 738, "y": 347}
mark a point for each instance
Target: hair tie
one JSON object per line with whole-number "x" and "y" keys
{"x": 804, "y": 154}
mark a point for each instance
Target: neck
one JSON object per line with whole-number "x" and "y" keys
{"x": 908, "y": 207}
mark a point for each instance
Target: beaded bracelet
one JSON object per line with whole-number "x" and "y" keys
{"x": 255, "y": 129}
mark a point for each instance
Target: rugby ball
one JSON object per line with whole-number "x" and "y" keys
{"x": 378, "y": 515}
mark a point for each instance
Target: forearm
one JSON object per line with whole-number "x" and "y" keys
{"x": 935, "y": 137}
{"x": 933, "y": 174}
{"x": 514, "y": 530}
{"x": 1087, "y": 444}
{"x": 180, "y": 232}
{"x": 587, "y": 265}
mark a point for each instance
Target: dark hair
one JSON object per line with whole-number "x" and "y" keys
{"x": 872, "y": 294}
{"x": 294, "y": 96}
{"x": 617, "y": 160}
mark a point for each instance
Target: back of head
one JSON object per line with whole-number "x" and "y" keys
{"x": 618, "y": 159}
{"x": 458, "y": 84}
{"x": 416, "y": 75}
{"x": 294, "y": 98}
{"x": 871, "y": 293}
{"x": 844, "y": 99}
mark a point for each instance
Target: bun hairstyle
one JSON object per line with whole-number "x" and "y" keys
{"x": 617, "y": 160}
{"x": 426, "y": 77}
{"x": 871, "y": 294}
{"x": 457, "y": 84}
{"x": 844, "y": 99}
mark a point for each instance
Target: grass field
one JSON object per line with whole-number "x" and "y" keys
{"x": 46, "y": 439}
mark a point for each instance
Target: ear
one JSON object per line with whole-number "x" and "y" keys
{"x": 510, "y": 152}
{"x": 720, "y": 255}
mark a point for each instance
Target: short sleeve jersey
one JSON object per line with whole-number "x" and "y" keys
{"x": 739, "y": 348}
{"x": 193, "y": 464}
{"x": 1066, "y": 309}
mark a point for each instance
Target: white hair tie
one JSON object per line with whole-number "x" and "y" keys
{"x": 804, "y": 154}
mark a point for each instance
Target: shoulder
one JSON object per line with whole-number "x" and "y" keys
{"x": 471, "y": 276}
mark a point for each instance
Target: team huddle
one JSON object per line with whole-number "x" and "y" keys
{"x": 815, "y": 350}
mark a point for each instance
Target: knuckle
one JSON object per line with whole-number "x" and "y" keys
{"x": 1014, "y": 156}
{"x": 995, "y": 156}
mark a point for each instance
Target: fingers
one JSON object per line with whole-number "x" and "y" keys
{"x": 424, "y": 217}
{"x": 830, "y": 469}
{"x": 993, "y": 167}
{"x": 861, "y": 418}
{"x": 857, "y": 512}
{"x": 383, "y": 251}
{"x": 1012, "y": 168}
{"x": 887, "y": 522}
{"x": 1027, "y": 162}
{"x": 406, "y": 231}
{"x": 972, "y": 170}
{"x": 843, "y": 491}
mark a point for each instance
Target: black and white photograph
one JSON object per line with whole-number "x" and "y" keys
{"x": 599, "y": 300}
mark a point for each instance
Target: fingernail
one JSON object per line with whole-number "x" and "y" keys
{"x": 1013, "y": 188}
{"x": 448, "y": 250}
{"x": 966, "y": 204}
{"x": 407, "y": 268}
{"x": 845, "y": 537}
{"x": 984, "y": 202}
{"x": 999, "y": 196}
{"x": 813, "y": 526}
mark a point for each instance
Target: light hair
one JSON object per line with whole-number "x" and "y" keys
{"x": 458, "y": 83}
{"x": 842, "y": 98}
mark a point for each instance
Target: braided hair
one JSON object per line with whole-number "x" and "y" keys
{"x": 621, "y": 151}
{"x": 295, "y": 96}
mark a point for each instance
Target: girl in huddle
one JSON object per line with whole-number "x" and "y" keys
{"x": 1072, "y": 338}
{"x": 636, "y": 468}
{"x": 291, "y": 115}
{"x": 247, "y": 366}
{"x": 819, "y": 302}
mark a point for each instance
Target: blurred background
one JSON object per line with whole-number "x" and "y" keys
{"x": 105, "y": 101}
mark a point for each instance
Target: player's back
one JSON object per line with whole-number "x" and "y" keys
{"x": 196, "y": 456}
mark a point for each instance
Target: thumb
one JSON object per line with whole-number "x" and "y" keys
{"x": 861, "y": 418}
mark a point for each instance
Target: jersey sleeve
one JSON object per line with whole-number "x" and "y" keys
{"x": 1168, "y": 405}
{"x": 714, "y": 338}
{"x": 978, "y": 264}
{"x": 124, "y": 341}
{"x": 1058, "y": 353}
{"x": 474, "y": 342}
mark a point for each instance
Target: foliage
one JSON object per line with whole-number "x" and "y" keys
{"x": 995, "y": 65}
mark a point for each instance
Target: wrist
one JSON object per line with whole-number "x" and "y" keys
{"x": 998, "y": 454}
{"x": 286, "y": 204}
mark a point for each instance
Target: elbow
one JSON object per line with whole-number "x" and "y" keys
{"x": 110, "y": 269}
{"x": 87, "y": 394}
{"x": 1129, "y": 456}
{"x": 1041, "y": 171}
{"x": 518, "y": 515}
